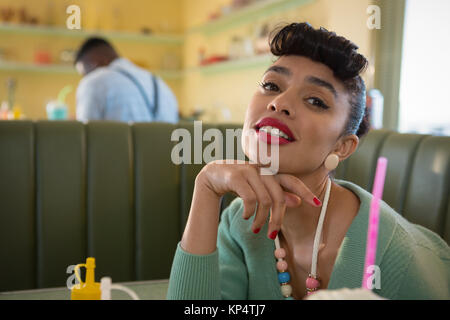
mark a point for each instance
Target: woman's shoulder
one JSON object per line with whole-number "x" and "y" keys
{"x": 406, "y": 252}
{"x": 425, "y": 260}
{"x": 399, "y": 227}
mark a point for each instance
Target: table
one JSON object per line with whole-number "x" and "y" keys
{"x": 146, "y": 290}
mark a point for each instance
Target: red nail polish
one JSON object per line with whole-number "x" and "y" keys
{"x": 273, "y": 235}
{"x": 317, "y": 201}
{"x": 256, "y": 230}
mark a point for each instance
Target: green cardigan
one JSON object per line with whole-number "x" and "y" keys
{"x": 414, "y": 262}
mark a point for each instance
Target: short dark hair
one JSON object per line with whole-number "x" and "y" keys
{"x": 336, "y": 52}
{"x": 90, "y": 44}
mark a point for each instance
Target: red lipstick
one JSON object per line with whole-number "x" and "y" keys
{"x": 275, "y": 123}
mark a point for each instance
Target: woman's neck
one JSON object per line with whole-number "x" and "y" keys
{"x": 299, "y": 224}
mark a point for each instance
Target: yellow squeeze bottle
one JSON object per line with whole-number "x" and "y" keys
{"x": 89, "y": 290}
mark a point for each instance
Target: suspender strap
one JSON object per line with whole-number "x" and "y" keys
{"x": 153, "y": 111}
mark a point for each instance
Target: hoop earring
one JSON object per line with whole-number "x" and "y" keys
{"x": 331, "y": 162}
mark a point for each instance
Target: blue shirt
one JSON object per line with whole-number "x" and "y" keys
{"x": 107, "y": 94}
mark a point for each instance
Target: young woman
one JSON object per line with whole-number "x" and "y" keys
{"x": 300, "y": 230}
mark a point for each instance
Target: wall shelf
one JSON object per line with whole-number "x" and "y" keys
{"x": 258, "y": 61}
{"x": 36, "y": 68}
{"x": 15, "y": 29}
{"x": 247, "y": 15}
{"x": 69, "y": 70}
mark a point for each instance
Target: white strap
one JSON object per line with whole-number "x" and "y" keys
{"x": 319, "y": 230}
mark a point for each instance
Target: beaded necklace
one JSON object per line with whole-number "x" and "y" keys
{"x": 312, "y": 282}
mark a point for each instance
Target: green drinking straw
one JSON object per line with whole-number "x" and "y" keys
{"x": 63, "y": 93}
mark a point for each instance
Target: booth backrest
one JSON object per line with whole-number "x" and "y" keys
{"x": 109, "y": 190}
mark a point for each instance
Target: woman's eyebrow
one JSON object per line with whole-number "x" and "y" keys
{"x": 279, "y": 69}
{"x": 322, "y": 83}
{"x": 310, "y": 79}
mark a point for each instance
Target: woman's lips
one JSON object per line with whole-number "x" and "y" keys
{"x": 270, "y": 139}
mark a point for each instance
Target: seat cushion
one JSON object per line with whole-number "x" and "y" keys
{"x": 427, "y": 195}
{"x": 110, "y": 199}
{"x": 360, "y": 166}
{"x": 157, "y": 205}
{"x": 17, "y": 205}
{"x": 400, "y": 150}
{"x": 60, "y": 199}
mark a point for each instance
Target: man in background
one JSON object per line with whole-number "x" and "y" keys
{"x": 113, "y": 88}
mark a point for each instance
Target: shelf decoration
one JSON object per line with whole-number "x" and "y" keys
{"x": 247, "y": 14}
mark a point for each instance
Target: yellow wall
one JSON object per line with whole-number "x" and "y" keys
{"x": 227, "y": 90}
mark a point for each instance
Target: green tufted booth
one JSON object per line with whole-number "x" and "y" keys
{"x": 70, "y": 190}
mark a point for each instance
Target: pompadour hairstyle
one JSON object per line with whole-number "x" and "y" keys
{"x": 336, "y": 52}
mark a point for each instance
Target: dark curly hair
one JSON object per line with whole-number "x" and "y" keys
{"x": 336, "y": 52}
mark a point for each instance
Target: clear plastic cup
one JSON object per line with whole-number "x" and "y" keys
{"x": 57, "y": 111}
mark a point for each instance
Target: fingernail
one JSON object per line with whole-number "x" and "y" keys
{"x": 273, "y": 235}
{"x": 317, "y": 201}
{"x": 256, "y": 230}
{"x": 246, "y": 218}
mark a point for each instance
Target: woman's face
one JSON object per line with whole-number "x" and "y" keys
{"x": 309, "y": 101}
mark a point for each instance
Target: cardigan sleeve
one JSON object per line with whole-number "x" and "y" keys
{"x": 194, "y": 277}
{"x": 198, "y": 277}
{"x": 233, "y": 270}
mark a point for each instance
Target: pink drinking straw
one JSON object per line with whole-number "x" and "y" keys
{"x": 372, "y": 233}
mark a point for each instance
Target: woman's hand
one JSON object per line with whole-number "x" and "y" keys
{"x": 260, "y": 193}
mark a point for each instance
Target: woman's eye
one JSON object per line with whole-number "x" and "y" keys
{"x": 269, "y": 86}
{"x": 317, "y": 102}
